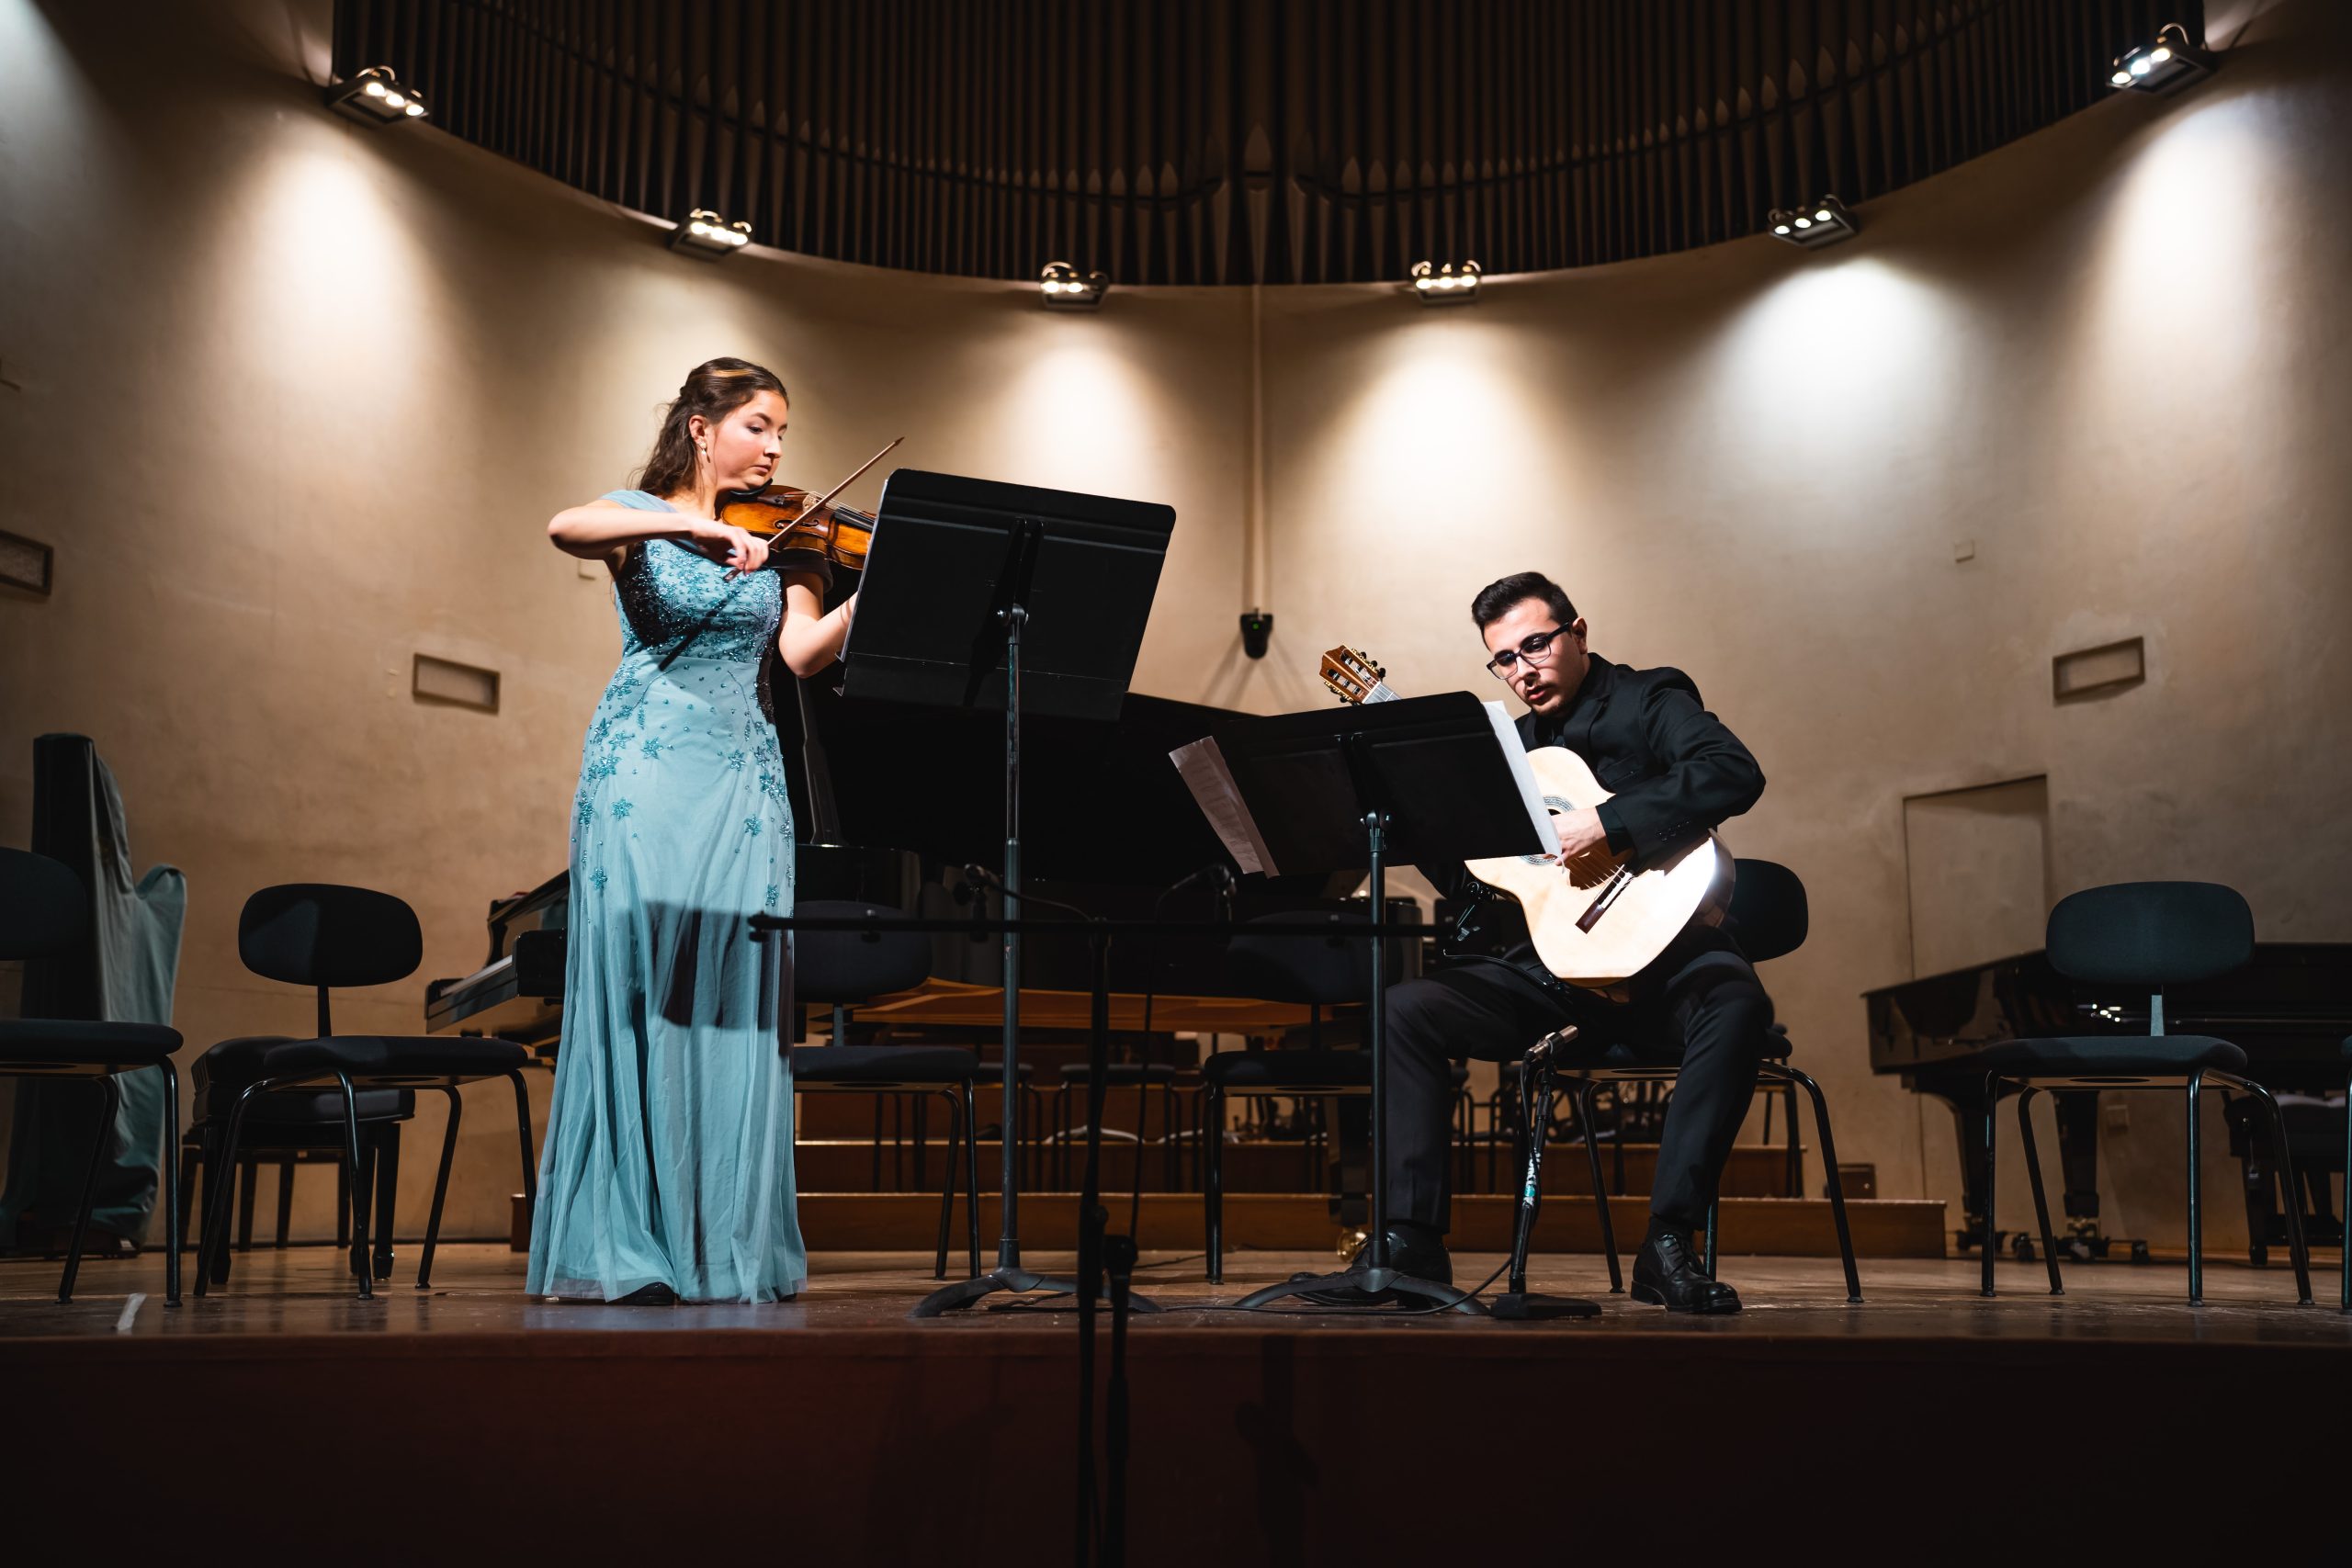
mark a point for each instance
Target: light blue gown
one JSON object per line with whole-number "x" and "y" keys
{"x": 669, "y": 1146}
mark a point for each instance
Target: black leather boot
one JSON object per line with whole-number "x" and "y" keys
{"x": 1415, "y": 1254}
{"x": 1666, "y": 1274}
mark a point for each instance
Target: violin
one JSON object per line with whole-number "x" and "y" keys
{"x": 785, "y": 518}
{"x": 791, "y": 519}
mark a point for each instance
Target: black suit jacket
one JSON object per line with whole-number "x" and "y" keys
{"x": 1673, "y": 771}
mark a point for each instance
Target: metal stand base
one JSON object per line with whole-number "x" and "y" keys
{"x": 1369, "y": 1280}
{"x": 1016, "y": 1281}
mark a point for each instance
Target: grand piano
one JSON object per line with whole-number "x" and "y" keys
{"x": 2290, "y": 1010}
{"x": 893, "y": 800}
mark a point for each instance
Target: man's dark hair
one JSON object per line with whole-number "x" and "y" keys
{"x": 1495, "y": 599}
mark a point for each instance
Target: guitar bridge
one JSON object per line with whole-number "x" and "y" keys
{"x": 1610, "y": 894}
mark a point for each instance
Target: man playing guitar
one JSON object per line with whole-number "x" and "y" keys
{"x": 1674, "y": 773}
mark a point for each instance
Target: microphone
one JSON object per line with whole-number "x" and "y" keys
{"x": 1220, "y": 878}
{"x": 987, "y": 878}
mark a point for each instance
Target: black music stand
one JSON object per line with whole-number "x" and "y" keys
{"x": 1426, "y": 780}
{"x": 978, "y": 594}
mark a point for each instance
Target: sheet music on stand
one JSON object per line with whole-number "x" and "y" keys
{"x": 1209, "y": 777}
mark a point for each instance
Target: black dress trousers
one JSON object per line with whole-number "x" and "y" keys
{"x": 1702, "y": 996}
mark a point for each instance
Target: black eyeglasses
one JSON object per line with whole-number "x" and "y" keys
{"x": 1534, "y": 647}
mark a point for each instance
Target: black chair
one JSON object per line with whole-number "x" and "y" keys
{"x": 322, "y": 935}
{"x": 842, "y": 969}
{"x": 1321, "y": 971}
{"x": 1769, "y": 917}
{"x": 2150, "y": 934}
{"x": 45, "y": 913}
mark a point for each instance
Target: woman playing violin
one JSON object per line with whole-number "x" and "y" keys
{"x": 668, "y": 1169}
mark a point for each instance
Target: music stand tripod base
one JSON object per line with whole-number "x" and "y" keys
{"x": 1019, "y": 1281}
{"x": 1372, "y": 1282}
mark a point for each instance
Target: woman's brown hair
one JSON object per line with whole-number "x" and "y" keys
{"x": 714, "y": 389}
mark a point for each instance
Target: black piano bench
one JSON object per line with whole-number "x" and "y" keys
{"x": 2147, "y": 935}
{"x": 323, "y": 935}
{"x": 44, "y": 913}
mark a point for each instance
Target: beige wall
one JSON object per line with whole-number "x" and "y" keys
{"x": 292, "y": 398}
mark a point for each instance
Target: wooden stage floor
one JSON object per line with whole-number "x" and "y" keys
{"x": 1926, "y": 1422}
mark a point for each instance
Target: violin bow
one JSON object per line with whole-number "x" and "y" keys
{"x": 818, "y": 504}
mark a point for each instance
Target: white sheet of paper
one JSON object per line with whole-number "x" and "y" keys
{"x": 1516, "y": 755}
{"x": 1211, "y": 782}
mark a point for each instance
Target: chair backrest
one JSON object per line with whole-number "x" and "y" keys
{"x": 1769, "y": 914}
{"x": 855, "y": 966}
{"x": 322, "y": 934}
{"x": 1324, "y": 971}
{"x": 43, "y": 909}
{"x": 2151, "y": 934}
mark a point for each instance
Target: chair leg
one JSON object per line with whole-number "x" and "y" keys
{"x": 530, "y": 1164}
{"x": 1710, "y": 1264}
{"x": 1795, "y": 1183}
{"x": 2196, "y": 1192}
{"x": 388, "y": 1176}
{"x": 212, "y": 1240}
{"x": 248, "y": 1189}
{"x": 363, "y": 1198}
{"x": 1797, "y": 1079}
{"x": 946, "y": 1190}
{"x": 1600, "y": 1189}
{"x": 358, "y": 1186}
{"x": 285, "y": 1202}
{"x": 2295, "y": 1247}
{"x": 1992, "y": 1122}
{"x": 440, "y": 1189}
{"x": 2033, "y": 1178}
{"x": 341, "y": 1202}
{"x": 174, "y": 1197}
{"x": 191, "y": 1160}
{"x": 110, "y": 1103}
{"x": 1213, "y": 1183}
{"x": 972, "y": 1174}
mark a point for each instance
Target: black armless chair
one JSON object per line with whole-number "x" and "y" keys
{"x": 2147, "y": 935}
{"x": 842, "y": 968}
{"x": 1769, "y": 917}
{"x": 1321, "y": 971}
{"x": 44, "y": 912}
{"x": 322, "y": 935}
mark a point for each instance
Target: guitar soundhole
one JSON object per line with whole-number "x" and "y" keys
{"x": 1560, "y": 806}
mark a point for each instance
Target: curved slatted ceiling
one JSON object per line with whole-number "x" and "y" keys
{"x": 1192, "y": 141}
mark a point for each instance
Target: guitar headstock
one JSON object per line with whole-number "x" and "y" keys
{"x": 1354, "y": 678}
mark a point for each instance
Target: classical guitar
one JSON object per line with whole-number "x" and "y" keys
{"x": 1596, "y": 919}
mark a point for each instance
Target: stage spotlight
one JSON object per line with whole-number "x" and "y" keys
{"x": 706, "y": 235}
{"x": 1064, "y": 288}
{"x": 1446, "y": 285}
{"x": 1825, "y": 223}
{"x": 374, "y": 98}
{"x": 2168, "y": 65}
